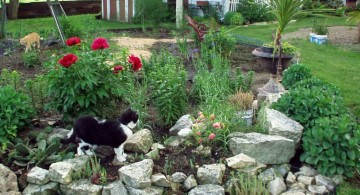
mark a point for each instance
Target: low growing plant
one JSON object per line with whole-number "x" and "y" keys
{"x": 15, "y": 113}
{"x": 306, "y": 105}
{"x": 332, "y": 145}
{"x": 287, "y": 48}
{"x": 294, "y": 74}
{"x": 31, "y": 59}
{"x": 36, "y": 89}
{"x": 221, "y": 41}
{"x": 233, "y": 18}
{"x": 242, "y": 100}
{"x": 245, "y": 184}
{"x": 315, "y": 83}
{"x": 11, "y": 78}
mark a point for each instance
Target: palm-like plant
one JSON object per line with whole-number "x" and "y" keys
{"x": 355, "y": 17}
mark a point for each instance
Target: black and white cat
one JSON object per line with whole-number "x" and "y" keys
{"x": 93, "y": 132}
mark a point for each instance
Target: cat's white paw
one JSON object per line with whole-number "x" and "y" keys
{"x": 121, "y": 158}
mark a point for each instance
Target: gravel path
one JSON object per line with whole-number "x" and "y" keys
{"x": 338, "y": 35}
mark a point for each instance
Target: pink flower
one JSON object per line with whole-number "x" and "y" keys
{"x": 212, "y": 136}
{"x": 73, "y": 41}
{"x": 99, "y": 43}
{"x": 136, "y": 62}
{"x": 200, "y": 140}
{"x": 198, "y": 133}
{"x": 217, "y": 125}
{"x": 68, "y": 60}
{"x": 117, "y": 69}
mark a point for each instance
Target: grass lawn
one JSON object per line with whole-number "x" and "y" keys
{"x": 334, "y": 64}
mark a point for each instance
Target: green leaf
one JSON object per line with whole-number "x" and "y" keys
{"x": 351, "y": 154}
{"x": 332, "y": 170}
{"x": 340, "y": 170}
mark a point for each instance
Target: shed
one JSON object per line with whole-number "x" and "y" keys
{"x": 118, "y": 10}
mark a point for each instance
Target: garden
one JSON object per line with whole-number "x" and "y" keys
{"x": 192, "y": 98}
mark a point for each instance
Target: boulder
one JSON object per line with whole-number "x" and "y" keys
{"x": 276, "y": 186}
{"x": 183, "y": 123}
{"x": 50, "y": 188}
{"x": 279, "y": 124}
{"x": 189, "y": 183}
{"x": 38, "y": 175}
{"x": 61, "y": 172}
{"x": 140, "y": 142}
{"x": 152, "y": 190}
{"x": 8, "y": 181}
{"x": 211, "y": 174}
{"x": 267, "y": 149}
{"x": 207, "y": 189}
{"x": 159, "y": 179}
{"x": 240, "y": 161}
{"x": 81, "y": 187}
{"x": 178, "y": 177}
{"x": 113, "y": 188}
{"x": 137, "y": 175}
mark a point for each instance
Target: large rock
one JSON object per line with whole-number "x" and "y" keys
{"x": 81, "y": 187}
{"x": 211, "y": 174}
{"x": 189, "y": 183}
{"x": 38, "y": 175}
{"x": 78, "y": 163}
{"x": 50, "y": 188}
{"x": 140, "y": 142}
{"x": 137, "y": 175}
{"x": 279, "y": 124}
{"x": 207, "y": 189}
{"x": 267, "y": 149}
{"x": 160, "y": 179}
{"x": 269, "y": 175}
{"x": 152, "y": 190}
{"x": 8, "y": 181}
{"x": 57, "y": 133}
{"x": 276, "y": 186}
{"x": 184, "y": 122}
{"x": 240, "y": 161}
{"x": 61, "y": 172}
{"x": 114, "y": 188}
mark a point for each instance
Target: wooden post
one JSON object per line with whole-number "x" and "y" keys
{"x": 3, "y": 19}
{"x": 179, "y": 13}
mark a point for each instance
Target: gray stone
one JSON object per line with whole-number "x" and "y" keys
{"x": 140, "y": 142}
{"x": 153, "y": 154}
{"x": 114, "y": 188}
{"x": 267, "y": 149}
{"x": 240, "y": 161}
{"x": 38, "y": 175}
{"x": 307, "y": 171}
{"x": 178, "y": 177}
{"x": 276, "y": 186}
{"x": 306, "y": 180}
{"x": 51, "y": 188}
{"x": 61, "y": 172}
{"x": 57, "y": 133}
{"x": 315, "y": 189}
{"x": 290, "y": 178}
{"x": 184, "y": 132}
{"x": 152, "y": 190}
{"x": 297, "y": 186}
{"x": 325, "y": 181}
{"x": 281, "y": 125}
{"x": 78, "y": 163}
{"x": 157, "y": 146}
{"x": 174, "y": 141}
{"x": 211, "y": 174}
{"x": 81, "y": 187}
{"x": 8, "y": 180}
{"x": 203, "y": 151}
{"x": 269, "y": 175}
{"x": 253, "y": 170}
{"x": 294, "y": 192}
{"x": 207, "y": 189}
{"x": 137, "y": 175}
{"x": 283, "y": 169}
{"x": 159, "y": 179}
{"x": 189, "y": 183}
{"x": 184, "y": 122}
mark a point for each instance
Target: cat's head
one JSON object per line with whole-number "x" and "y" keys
{"x": 22, "y": 41}
{"x": 129, "y": 118}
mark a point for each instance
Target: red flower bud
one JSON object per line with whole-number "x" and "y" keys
{"x": 212, "y": 136}
{"x": 68, "y": 60}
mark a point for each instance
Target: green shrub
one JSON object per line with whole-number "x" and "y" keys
{"x": 69, "y": 29}
{"x": 306, "y": 105}
{"x": 168, "y": 87}
{"x": 233, "y": 18}
{"x": 294, "y": 74}
{"x": 15, "y": 113}
{"x": 315, "y": 83}
{"x": 332, "y": 145}
{"x": 253, "y": 11}
{"x": 36, "y": 89}
{"x": 222, "y": 41}
{"x": 152, "y": 11}
{"x": 31, "y": 59}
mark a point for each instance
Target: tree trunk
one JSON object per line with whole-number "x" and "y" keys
{"x": 3, "y": 19}
{"x": 13, "y": 9}
{"x": 358, "y": 32}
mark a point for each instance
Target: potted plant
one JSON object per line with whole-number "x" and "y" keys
{"x": 319, "y": 33}
{"x": 242, "y": 101}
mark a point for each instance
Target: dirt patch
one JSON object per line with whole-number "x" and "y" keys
{"x": 338, "y": 35}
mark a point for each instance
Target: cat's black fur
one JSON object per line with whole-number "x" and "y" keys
{"x": 106, "y": 132}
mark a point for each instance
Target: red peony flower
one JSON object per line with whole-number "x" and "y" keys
{"x": 117, "y": 69}
{"x": 68, "y": 60}
{"x": 217, "y": 125}
{"x": 73, "y": 41}
{"x": 212, "y": 136}
{"x": 136, "y": 62}
{"x": 99, "y": 43}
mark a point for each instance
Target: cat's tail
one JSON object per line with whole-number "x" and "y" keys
{"x": 70, "y": 139}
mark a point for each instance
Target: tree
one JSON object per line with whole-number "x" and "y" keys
{"x": 355, "y": 17}
{"x": 2, "y": 19}
{"x": 13, "y": 9}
